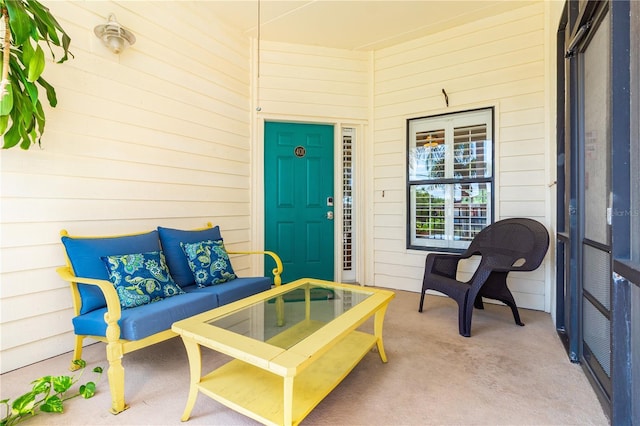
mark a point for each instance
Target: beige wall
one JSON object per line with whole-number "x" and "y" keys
{"x": 167, "y": 134}
{"x": 312, "y": 84}
{"x": 498, "y": 62}
{"x": 159, "y": 135}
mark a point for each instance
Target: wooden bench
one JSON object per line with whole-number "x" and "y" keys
{"x": 98, "y": 309}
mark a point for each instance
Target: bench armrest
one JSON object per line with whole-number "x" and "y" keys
{"x": 114, "y": 311}
{"x": 277, "y": 271}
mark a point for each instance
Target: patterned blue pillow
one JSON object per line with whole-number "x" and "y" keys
{"x": 209, "y": 262}
{"x": 140, "y": 278}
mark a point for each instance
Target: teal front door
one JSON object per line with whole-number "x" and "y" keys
{"x": 298, "y": 178}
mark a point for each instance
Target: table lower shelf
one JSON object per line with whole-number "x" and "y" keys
{"x": 258, "y": 393}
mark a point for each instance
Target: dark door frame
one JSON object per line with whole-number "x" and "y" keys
{"x": 624, "y": 248}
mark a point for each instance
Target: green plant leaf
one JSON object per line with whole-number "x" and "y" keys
{"x": 22, "y": 118}
{"x": 11, "y": 137}
{"x": 24, "y": 135}
{"x": 51, "y": 92}
{"x": 66, "y": 42}
{"x": 36, "y": 64}
{"x": 39, "y": 111}
{"x": 44, "y": 22}
{"x": 27, "y": 53}
{"x": 49, "y": 28}
{"x": 26, "y": 141}
{"x": 24, "y": 404}
{"x": 98, "y": 370}
{"x": 44, "y": 13}
{"x": 53, "y": 404}
{"x": 62, "y": 384}
{"x": 42, "y": 385}
{"x": 6, "y": 102}
{"x": 88, "y": 390}
{"x": 24, "y": 110}
{"x": 40, "y": 119}
{"x": 19, "y": 21}
{"x": 81, "y": 363}
{"x": 32, "y": 91}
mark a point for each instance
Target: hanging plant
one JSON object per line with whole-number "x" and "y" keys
{"x": 25, "y": 24}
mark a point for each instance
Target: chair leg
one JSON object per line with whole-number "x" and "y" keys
{"x": 464, "y": 321}
{"x": 478, "y": 303}
{"x": 516, "y": 316}
{"x": 496, "y": 288}
{"x": 514, "y": 309}
{"x": 463, "y": 328}
{"x": 421, "y": 300}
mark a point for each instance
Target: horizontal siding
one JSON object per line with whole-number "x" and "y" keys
{"x": 498, "y": 61}
{"x": 311, "y": 82}
{"x": 158, "y": 135}
{"x": 161, "y": 135}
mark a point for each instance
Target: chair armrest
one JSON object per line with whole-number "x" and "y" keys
{"x": 442, "y": 264}
{"x": 484, "y": 270}
{"x": 114, "y": 311}
{"x": 277, "y": 271}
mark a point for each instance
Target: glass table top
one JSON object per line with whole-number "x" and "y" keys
{"x": 287, "y": 319}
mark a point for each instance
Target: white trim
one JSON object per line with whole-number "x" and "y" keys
{"x": 553, "y": 13}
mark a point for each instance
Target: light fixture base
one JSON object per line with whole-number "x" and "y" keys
{"x": 114, "y": 36}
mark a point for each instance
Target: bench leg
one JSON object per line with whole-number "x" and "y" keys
{"x": 115, "y": 375}
{"x": 77, "y": 353}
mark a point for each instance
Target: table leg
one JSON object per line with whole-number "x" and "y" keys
{"x": 307, "y": 302}
{"x": 195, "y": 368}
{"x": 288, "y": 401}
{"x": 378, "y": 321}
{"x": 279, "y": 311}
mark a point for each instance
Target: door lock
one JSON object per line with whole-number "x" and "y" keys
{"x": 330, "y": 215}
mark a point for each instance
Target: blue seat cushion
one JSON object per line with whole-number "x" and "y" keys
{"x": 176, "y": 259}
{"x": 232, "y": 290}
{"x": 143, "y": 321}
{"x": 85, "y": 257}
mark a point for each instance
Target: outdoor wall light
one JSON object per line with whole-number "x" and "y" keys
{"x": 114, "y": 35}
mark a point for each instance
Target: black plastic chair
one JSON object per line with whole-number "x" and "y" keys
{"x": 518, "y": 244}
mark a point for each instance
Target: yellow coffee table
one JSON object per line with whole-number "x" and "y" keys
{"x": 291, "y": 346}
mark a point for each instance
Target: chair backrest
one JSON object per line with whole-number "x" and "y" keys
{"x": 518, "y": 244}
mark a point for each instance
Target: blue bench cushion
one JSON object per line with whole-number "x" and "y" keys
{"x": 176, "y": 259}
{"x": 85, "y": 257}
{"x": 233, "y": 290}
{"x": 143, "y": 321}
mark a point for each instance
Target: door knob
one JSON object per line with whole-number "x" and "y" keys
{"x": 330, "y": 215}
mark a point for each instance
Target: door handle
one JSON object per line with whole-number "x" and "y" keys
{"x": 330, "y": 215}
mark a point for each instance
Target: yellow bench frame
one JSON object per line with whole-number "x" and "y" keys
{"x": 116, "y": 347}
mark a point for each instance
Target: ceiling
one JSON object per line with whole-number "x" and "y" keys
{"x": 353, "y": 24}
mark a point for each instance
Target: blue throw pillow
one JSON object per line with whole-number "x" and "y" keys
{"x": 140, "y": 278}
{"x": 85, "y": 257}
{"x": 176, "y": 261}
{"x": 209, "y": 262}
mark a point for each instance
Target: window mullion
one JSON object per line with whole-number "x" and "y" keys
{"x": 449, "y": 199}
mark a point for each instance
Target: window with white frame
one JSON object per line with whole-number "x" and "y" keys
{"x": 449, "y": 179}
